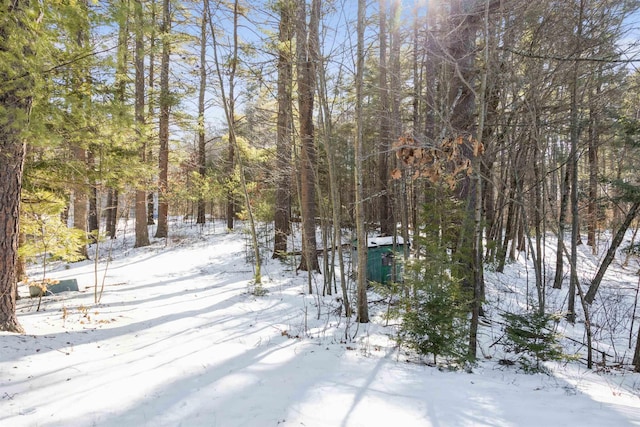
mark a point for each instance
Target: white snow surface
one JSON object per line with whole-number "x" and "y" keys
{"x": 177, "y": 339}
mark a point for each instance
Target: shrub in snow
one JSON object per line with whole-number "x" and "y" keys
{"x": 531, "y": 336}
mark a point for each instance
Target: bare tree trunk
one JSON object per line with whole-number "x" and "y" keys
{"x": 306, "y": 89}
{"x": 163, "y": 154}
{"x": 120, "y": 95}
{"x": 385, "y": 215}
{"x": 15, "y": 102}
{"x": 361, "y": 233}
{"x": 80, "y": 198}
{"x": 636, "y": 354}
{"x": 562, "y": 221}
{"x": 611, "y": 252}
{"x": 478, "y": 273}
{"x": 573, "y": 161}
{"x": 231, "y": 119}
{"x": 282, "y": 217}
{"x": 112, "y": 212}
{"x": 229, "y": 111}
{"x": 336, "y": 201}
{"x": 202, "y": 153}
{"x": 151, "y": 98}
{"x": 94, "y": 208}
{"x": 11, "y": 168}
{"x": 594, "y": 142}
{"x": 142, "y": 232}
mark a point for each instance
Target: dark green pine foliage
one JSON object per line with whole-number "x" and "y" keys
{"x": 531, "y": 336}
{"x": 434, "y": 306}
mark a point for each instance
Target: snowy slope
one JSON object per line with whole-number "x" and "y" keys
{"x": 177, "y": 340}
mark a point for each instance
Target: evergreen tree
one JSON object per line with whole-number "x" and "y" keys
{"x": 18, "y": 55}
{"x": 434, "y": 307}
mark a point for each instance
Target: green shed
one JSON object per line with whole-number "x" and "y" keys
{"x": 380, "y": 259}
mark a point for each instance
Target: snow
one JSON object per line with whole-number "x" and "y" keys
{"x": 178, "y": 340}
{"x": 384, "y": 241}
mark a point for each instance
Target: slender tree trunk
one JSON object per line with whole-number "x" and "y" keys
{"x": 231, "y": 120}
{"x": 594, "y": 142}
{"x": 361, "y": 233}
{"x": 80, "y": 198}
{"x": 573, "y": 161}
{"x": 385, "y": 216}
{"x": 202, "y": 153}
{"x": 636, "y": 354}
{"x": 538, "y": 207}
{"x": 94, "y": 214}
{"x": 336, "y": 201}
{"x": 228, "y": 105}
{"x": 306, "y": 89}
{"x": 120, "y": 98}
{"x": 562, "y": 221}
{"x": 142, "y": 232}
{"x": 163, "y": 154}
{"x": 112, "y": 212}
{"x": 478, "y": 269}
{"x": 282, "y": 217}
{"x": 151, "y": 104}
{"x": 611, "y": 253}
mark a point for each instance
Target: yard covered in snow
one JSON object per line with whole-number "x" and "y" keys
{"x": 177, "y": 339}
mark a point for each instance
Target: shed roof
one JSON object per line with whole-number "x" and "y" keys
{"x": 374, "y": 242}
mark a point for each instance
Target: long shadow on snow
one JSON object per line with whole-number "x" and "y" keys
{"x": 70, "y": 298}
{"x": 277, "y": 394}
{"x": 76, "y": 338}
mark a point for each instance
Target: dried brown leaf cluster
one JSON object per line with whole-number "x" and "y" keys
{"x": 444, "y": 163}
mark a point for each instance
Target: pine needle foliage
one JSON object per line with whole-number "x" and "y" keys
{"x": 435, "y": 321}
{"x": 47, "y": 237}
{"x": 531, "y": 336}
{"x": 434, "y": 306}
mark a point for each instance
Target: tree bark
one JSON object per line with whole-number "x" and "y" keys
{"x": 385, "y": 217}
{"x": 611, "y": 252}
{"x": 562, "y": 221}
{"x": 361, "y": 232}
{"x": 80, "y": 198}
{"x": 120, "y": 98}
{"x": 15, "y": 102}
{"x": 231, "y": 120}
{"x": 142, "y": 232}
{"x": 151, "y": 102}
{"x": 163, "y": 155}
{"x": 112, "y": 213}
{"x": 573, "y": 161}
{"x": 306, "y": 89}
{"x": 202, "y": 153}
{"x": 94, "y": 207}
{"x": 636, "y": 354}
{"x": 282, "y": 217}
{"x": 594, "y": 142}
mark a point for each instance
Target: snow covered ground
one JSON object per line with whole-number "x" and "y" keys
{"x": 177, "y": 340}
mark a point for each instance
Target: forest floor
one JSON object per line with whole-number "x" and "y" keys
{"x": 178, "y": 339}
